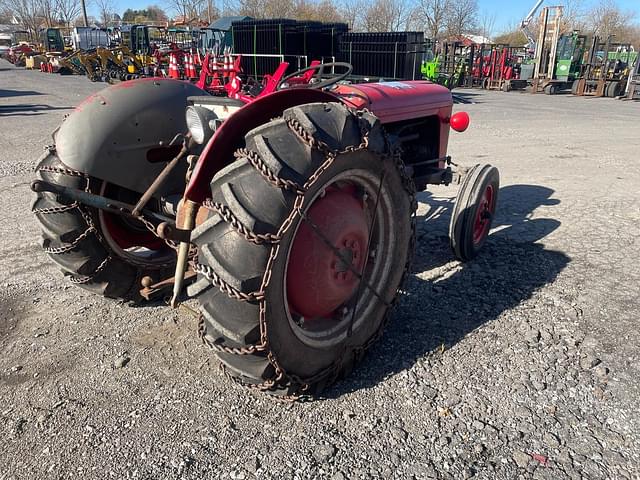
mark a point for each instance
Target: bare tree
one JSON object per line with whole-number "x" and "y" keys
{"x": 352, "y": 13}
{"x": 322, "y": 11}
{"x": 513, "y": 35}
{"x": 189, "y": 9}
{"x": 27, "y": 12}
{"x": 486, "y": 21}
{"x": 462, "y": 17}
{"x": 606, "y": 18}
{"x": 106, "y": 9}
{"x": 47, "y": 12}
{"x": 574, "y": 16}
{"x": 434, "y": 14}
{"x": 267, "y": 8}
{"x": 385, "y": 16}
{"x": 68, "y": 10}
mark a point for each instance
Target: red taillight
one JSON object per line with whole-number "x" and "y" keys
{"x": 459, "y": 121}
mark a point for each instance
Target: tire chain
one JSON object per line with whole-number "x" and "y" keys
{"x": 91, "y": 228}
{"x": 299, "y": 386}
{"x": 227, "y": 215}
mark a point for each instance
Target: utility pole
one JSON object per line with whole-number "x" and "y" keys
{"x": 84, "y": 13}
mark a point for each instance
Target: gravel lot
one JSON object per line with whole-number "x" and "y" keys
{"x": 521, "y": 364}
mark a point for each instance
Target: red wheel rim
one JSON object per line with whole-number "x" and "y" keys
{"x": 130, "y": 237}
{"x": 318, "y": 281}
{"x": 483, "y": 215}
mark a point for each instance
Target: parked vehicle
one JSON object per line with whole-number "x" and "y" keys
{"x": 290, "y": 215}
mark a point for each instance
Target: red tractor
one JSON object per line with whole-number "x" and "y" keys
{"x": 289, "y": 217}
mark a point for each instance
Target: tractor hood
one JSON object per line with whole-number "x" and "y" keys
{"x": 121, "y": 133}
{"x": 397, "y": 101}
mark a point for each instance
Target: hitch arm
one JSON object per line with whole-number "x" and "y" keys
{"x": 92, "y": 200}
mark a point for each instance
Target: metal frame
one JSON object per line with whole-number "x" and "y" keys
{"x": 547, "y": 47}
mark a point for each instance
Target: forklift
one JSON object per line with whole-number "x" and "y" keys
{"x": 633, "y": 82}
{"x": 606, "y": 69}
{"x": 558, "y": 58}
{"x": 449, "y": 67}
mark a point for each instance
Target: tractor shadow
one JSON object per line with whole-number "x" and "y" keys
{"x": 458, "y": 298}
{"x": 465, "y": 97}
{"x": 17, "y": 93}
{"x": 28, "y": 110}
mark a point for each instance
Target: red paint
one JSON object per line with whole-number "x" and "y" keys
{"x": 219, "y": 151}
{"x": 317, "y": 280}
{"x": 540, "y": 458}
{"x": 127, "y": 237}
{"x": 389, "y": 101}
{"x": 459, "y": 121}
{"x": 90, "y": 99}
{"x": 397, "y": 101}
{"x": 483, "y": 215}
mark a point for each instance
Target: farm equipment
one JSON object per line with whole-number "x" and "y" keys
{"x": 606, "y": 70}
{"x": 288, "y": 215}
{"x": 21, "y": 48}
{"x": 51, "y": 40}
{"x": 546, "y": 55}
{"x": 449, "y": 66}
{"x": 501, "y": 70}
{"x": 633, "y": 82}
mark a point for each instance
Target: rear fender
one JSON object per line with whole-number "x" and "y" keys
{"x": 219, "y": 151}
{"x": 121, "y": 133}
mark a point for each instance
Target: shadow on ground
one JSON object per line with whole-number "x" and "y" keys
{"x": 28, "y": 109}
{"x": 465, "y": 97}
{"x": 457, "y": 301}
{"x": 17, "y": 93}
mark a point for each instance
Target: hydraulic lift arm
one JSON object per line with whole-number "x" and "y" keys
{"x": 524, "y": 25}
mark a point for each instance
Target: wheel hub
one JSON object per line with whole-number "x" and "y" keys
{"x": 483, "y": 215}
{"x": 321, "y": 278}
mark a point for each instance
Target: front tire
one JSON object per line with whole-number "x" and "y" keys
{"x": 473, "y": 212}
{"x": 76, "y": 239}
{"x": 284, "y": 312}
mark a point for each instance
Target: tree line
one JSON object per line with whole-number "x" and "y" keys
{"x": 439, "y": 19}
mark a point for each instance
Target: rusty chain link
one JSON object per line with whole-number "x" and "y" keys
{"x": 225, "y": 287}
{"x": 227, "y": 215}
{"x": 51, "y": 210}
{"x": 244, "y": 350}
{"x": 70, "y": 246}
{"x": 256, "y": 161}
{"x": 87, "y": 278}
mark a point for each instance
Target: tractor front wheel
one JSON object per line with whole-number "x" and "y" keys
{"x": 474, "y": 210}
{"x": 307, "y": 244}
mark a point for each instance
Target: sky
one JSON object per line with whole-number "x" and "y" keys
{"x": 507, "y": 12}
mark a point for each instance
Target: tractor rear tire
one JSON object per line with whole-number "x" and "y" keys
{"x": 473, "y": 212}
{"x": 262, "y": 311}
{"x": 74, "y": 238}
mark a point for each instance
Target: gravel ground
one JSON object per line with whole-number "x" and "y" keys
{"x": 521, "y": 364}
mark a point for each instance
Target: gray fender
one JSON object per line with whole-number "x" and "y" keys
{"x": 120, "y": 133}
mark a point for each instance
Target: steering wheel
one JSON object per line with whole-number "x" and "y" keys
{"x": 320, "y": 70}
